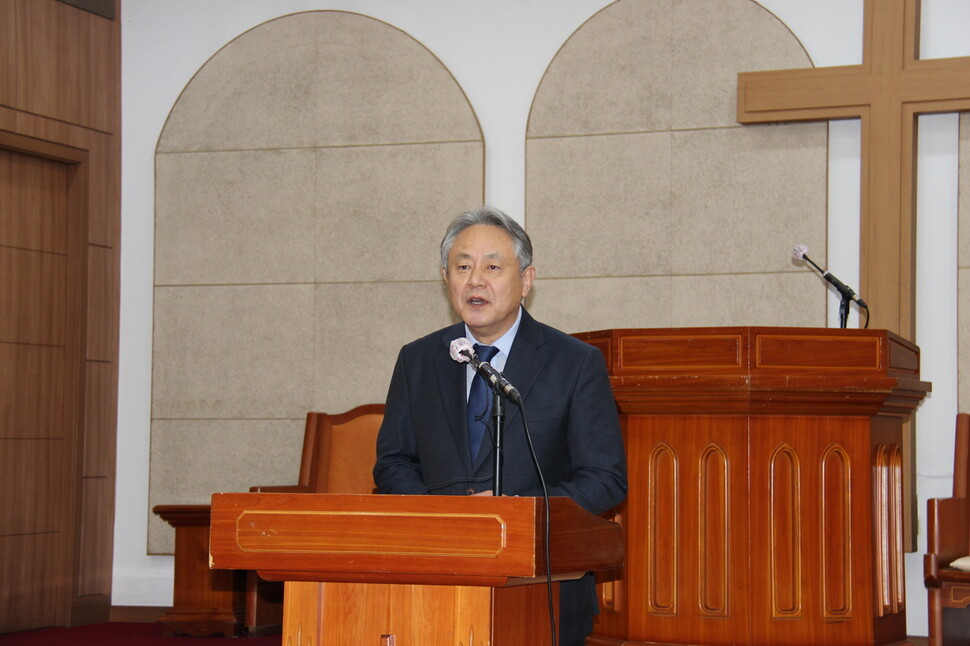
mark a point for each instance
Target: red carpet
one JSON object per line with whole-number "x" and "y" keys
{"x": 122, "y": 634}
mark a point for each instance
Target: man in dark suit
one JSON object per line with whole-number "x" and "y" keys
{"x": 424, "y": 444}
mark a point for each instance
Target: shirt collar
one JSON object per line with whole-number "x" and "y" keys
{"x": 504, "y": 342}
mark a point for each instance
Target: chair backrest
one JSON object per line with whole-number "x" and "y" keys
{"x": 961, "y": 456}
{"x": 339, "y": 450}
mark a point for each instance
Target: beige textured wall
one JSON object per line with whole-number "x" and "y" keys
{"x": 303, "y": 180}
{"x": 648, "y": 204}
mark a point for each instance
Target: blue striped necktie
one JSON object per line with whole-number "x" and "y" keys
{"x": 479, "y": 402}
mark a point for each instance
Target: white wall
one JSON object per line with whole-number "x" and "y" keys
{"x": 498, "y": 52}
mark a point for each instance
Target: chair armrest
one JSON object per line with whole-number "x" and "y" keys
{"x": 280, "y": 489}
{"x": 935, "y": 574}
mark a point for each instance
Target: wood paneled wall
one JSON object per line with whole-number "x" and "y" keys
{"x": 60, "y": 124}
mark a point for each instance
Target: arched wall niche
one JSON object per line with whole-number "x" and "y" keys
{"x": 303, "y": 180}
{"x": 649, "y": 205}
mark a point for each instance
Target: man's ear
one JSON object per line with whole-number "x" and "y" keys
{"x": 444, "y": 274}
{"x": 528, "y": 277}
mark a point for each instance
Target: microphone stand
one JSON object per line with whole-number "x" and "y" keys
{"x": 498, "y": 421}
{"x": 844, "y": 290}
{"x": 844, "y": 311}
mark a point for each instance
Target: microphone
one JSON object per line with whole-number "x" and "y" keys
{"x": 463, "y": 352}
{"x": 800, "y": 252}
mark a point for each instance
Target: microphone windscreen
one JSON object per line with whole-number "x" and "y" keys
{"x": 799, "y": 252}
{"x": 462, "y": 350}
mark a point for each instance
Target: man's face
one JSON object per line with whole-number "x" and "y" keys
{"x": 484, "y": 282}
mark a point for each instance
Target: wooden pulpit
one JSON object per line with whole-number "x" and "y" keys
{"x": 765, "y": 486}
{"x": 411, "y": 570}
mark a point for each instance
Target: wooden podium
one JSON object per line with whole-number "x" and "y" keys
{"x": 410, "y": 570}
{"x": 766, "y": 486}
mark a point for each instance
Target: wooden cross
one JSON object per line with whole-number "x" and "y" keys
{"x": 887, "y": 92}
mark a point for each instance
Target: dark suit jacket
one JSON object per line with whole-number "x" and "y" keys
{"x": 422, "y": 446}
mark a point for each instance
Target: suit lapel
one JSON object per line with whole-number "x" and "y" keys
{"x": 451, "y": 384}
{"x": 529, "y": 356}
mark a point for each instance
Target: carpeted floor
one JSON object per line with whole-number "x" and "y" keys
{"x": 146, "y": 634}
{"x": 122, "y": 634}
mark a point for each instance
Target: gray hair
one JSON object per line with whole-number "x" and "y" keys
{"x": 494, "y": 218}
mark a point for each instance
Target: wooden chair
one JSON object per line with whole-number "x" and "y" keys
{"x": 338, "y": 453}
{"x": 947, "y": 539}
{"x": 338, "y": 457}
